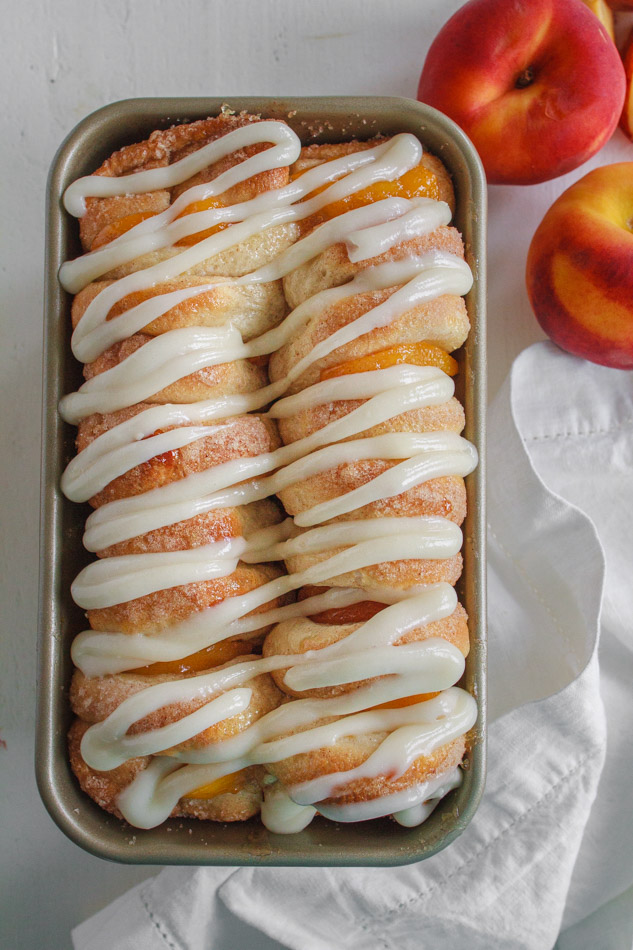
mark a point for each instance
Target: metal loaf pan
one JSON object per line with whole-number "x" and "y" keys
{"x": 375, "y": 843}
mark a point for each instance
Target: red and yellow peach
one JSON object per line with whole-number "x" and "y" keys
{"x": 537, "y": 86}
{"x": 580, "y": 268}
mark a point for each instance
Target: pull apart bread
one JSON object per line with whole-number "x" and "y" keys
{"x": 263, "y": 325}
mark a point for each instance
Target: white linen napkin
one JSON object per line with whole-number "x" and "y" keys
{"x": 542, "y": 851}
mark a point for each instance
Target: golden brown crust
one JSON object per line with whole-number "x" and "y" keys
{"x": 238, "y": 437}
{"x": 313, "y": 155}
{"x": 165, "y": 147}
{"x": 303, "y": 634}
{"x": 442, "y": 321}
{"x": 350, "y": 752}
{"x": 234, "y": 261}
{"x": 216, "y": 525}
{"x": 164, "y": 608}
{"x": 94, "y": 699}
{"x": 400, "y": 575}
{"x": 102, "y": 787}
{"x": 103, "y": 213}
{"x": 224, "y": 379}
{"x": 332, "y": 267}
{"x": 105, "y": 787}
{"x": 444, "y": 497}
{"x": 250, "y": 308}
{"x": 230, "y": 806}
{"x": 447, "y": 417}
{"x": 426, "y": 768}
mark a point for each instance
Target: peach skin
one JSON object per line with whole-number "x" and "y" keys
{"x": 537, "y": 86}
{"x": 580, "y": 268}
{"x": 604, "y": 13}
{"x": 626, "y": 121}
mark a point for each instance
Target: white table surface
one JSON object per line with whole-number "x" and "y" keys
{"x": 60, "y": 60}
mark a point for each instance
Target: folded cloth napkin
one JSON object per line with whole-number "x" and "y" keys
{"x": 551, "y": 843}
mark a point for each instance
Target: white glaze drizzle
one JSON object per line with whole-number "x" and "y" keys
{"x": 201, "y": 492}
{"x": 409, "y": 807}
{"x": 163, "y": 360}
{"x": 422, "y": 278}
{"x": 390, "y": 160}
{"x": 151, "y": 797}
{"x": 115, "y": 580}
{"x": 97, "y": 654}
{"x": 287, "y": 149}
{"x": 432, "y": 663}
{"x": 415, "y": 731}
{"x": 367, "y": 232}
{"x": 281, "y": 815}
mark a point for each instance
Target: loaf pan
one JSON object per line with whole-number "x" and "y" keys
{"x": 179, "y": 841}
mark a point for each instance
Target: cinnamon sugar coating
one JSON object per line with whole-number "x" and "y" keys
{"x": 238, "y": 259}
{"x": 164, "y": 608}
{"x": 251, "y": 309}
{"x": 223, "y": 379}
{"x": 350, "y": 752}
{"x": 332, "y": 267}
{"x": 443, "y": 497}
{"x": 234, "y": 438}
{"x": 442, "y": 321}
{"x": 303, "y": 634}
{"x": 447, "y": 417}
{"x": 215, "y": 525}
{"x": 93, "y": 699}
{"x": 105, "y": 787}
{"x": 165, "y": 147}
{"x": 393, "y": 574}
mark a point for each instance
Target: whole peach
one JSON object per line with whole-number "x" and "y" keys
{"x": 580, "y": 268}
{"x": 538, "y": 86}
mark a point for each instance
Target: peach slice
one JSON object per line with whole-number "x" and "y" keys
{"x": 117, "y": 228}
{"x": 220, "y": 786}
{"x": 406, "y": 701}
{"x": 418, "y": 182}
{"x": 416, "y": 354}
{"x": 206, "y": 205}
{"x": 354, "y": 613}
{"x": 203, "y": 660}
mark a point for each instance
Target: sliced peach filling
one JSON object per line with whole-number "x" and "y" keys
{"x": 117, "y": 228}
{"x": 205, "y": 205}
{"x": 416, "y": 354}
{"x": 406, "y": 701}
{"x": 203, "y": 660}
{"x": 355, "y": 613}
{"x": 418, "y": 182}
{"x": 228, "y": 784}
{"x": 359, "y": 613}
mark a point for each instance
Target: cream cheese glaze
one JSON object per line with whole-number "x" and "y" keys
{"x": 431, "y": 666}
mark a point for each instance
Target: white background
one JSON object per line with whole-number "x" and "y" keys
{"x": 58, "y": 62}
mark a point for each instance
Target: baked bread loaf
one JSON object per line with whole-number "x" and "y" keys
{"x": 269, "y": 438}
